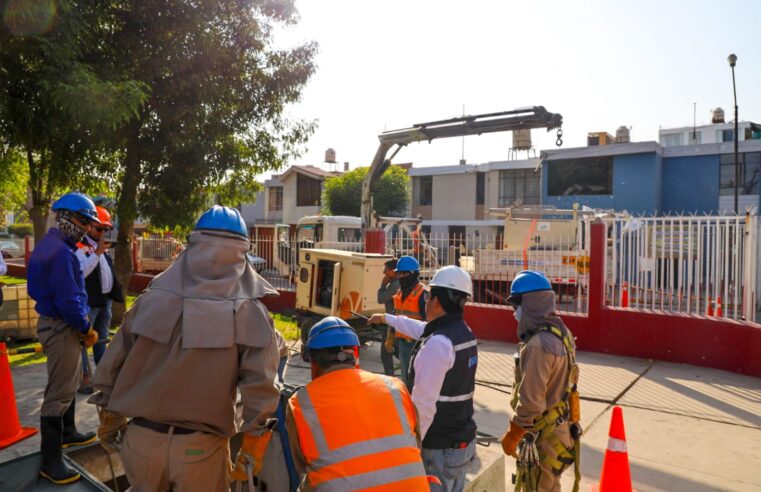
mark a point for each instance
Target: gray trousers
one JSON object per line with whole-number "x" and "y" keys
{"x": 61, "y": 345}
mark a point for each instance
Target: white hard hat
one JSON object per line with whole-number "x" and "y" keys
{"x": 453, "y": 277}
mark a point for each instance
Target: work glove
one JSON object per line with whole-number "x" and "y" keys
{"x": 389, "y": 343}
{"x": 111, "y": 429}
{"x": 511, "y": 439}
{"x": 88, "y": 339}
{"x": 251, "y": 452}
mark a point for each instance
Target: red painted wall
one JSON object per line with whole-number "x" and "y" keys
{"x": 702, "y": 341}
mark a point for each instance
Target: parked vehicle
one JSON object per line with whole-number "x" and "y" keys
{"x": 10, "y": 249}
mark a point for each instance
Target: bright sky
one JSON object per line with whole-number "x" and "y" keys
{"x": 389, "y": 64}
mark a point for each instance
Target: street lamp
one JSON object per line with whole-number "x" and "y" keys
{"x": 732, "y": 59}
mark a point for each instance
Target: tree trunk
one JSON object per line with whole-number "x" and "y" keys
{"x": 126, "y": 211}
{"x": 39, "y": 216}
{"x": 38, "y": 203}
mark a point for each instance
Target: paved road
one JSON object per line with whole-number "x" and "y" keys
{"x": 687, "y": 428}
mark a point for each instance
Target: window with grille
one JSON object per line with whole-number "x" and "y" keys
{"x": 424, "y": 190}
{"x": 276, "y": 198}
{"x": 519, "y": 184}
{"x": 308, "y": 191}
{"x": 749, "y": 164}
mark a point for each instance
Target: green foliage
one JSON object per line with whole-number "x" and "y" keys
{"x": 218, "y": 89}
{"x": 21, "y": 230}
{"x": 58, "y": 105}
{"x": 286, "y": 326}
{"x": 14, "y": 176}
{"x": 391, "y": 195}
{"x": 9, "y": 280}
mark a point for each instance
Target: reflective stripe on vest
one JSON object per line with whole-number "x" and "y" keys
{"x": 374, "y": 478}
{"x": 467, "y": 396}
{"x": 327, "y": 457}
{"x": 409, "y": 307}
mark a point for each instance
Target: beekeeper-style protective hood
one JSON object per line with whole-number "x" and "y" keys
{"x": 538, "y": 310}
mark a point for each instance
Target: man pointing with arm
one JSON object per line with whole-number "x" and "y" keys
{"x": 442, "y": 376}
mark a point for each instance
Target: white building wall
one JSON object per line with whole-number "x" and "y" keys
{"x": 291, "y": 212}
{"x": 254, "y": 212}
{"x": 454, "y": 196}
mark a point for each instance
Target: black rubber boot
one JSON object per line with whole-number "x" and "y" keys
{"x": 71, "y": 437}
{"x": 53, "y": 467}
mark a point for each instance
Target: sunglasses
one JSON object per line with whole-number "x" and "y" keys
{"x": 101, "y": 229}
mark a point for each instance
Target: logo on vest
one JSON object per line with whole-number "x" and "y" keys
{"x": 472, "y": 361}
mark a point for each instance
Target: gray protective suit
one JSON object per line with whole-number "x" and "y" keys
{"x": 193, "y": 337}
{"x": 544, "y": 369}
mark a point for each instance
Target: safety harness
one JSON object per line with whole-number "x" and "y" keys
{"x": 526, "y": 478}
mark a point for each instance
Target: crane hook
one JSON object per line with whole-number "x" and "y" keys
{"x": 559, "y": 141}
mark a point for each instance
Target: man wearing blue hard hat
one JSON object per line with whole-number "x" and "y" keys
{"x": 56, "y": 283}
{"x": 545, "y": 397}
{"x": 196, "y": 336}
{"x": 409, "y": 301}
{"x": 351, "y": 429}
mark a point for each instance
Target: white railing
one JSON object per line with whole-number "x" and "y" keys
{"x": 492, "y": 269}
{"x": 692, "y": 265}
{"x": 155, "y": 254}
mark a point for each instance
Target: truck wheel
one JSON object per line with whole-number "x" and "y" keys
{"x": 306, "y": 325}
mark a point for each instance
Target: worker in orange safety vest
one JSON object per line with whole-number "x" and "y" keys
{"x": 351, "y": 429}
{"x": 409, "y": 302}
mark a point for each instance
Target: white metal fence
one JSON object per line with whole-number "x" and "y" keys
{"x": 492, "y": 269}
{"x": 155, "y": 254}
{"x": 691, "y": 265}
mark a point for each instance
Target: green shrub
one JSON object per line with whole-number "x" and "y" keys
{"x": 21, "y": 230}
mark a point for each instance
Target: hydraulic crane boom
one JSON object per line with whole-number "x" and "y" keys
{"x": 517, "y": 119}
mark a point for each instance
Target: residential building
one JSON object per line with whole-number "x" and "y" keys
{"x": 457, "y": 199}
{"x": 648, "y": 178}
{"x": 707, "y": 134}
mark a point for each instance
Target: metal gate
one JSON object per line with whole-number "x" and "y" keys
{"x": 693, "y": 265}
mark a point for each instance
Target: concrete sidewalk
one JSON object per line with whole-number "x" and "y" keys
{"x": 687, "y": 428}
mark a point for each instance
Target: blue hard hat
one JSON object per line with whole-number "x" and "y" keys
{"x": 332, "y": 332}
{"x": 78, "y": 203}
{"x": 219, "y": 218}
{"x": 525, "y": 282}
{"x": 407, "y": 264}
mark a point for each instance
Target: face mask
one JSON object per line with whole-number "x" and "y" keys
{"x": 517, "y": 314}
{"x": 407, "y": 281}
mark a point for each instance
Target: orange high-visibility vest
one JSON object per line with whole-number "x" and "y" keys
{"x": 356, "y": 431}
{"x": 409, "y": 307}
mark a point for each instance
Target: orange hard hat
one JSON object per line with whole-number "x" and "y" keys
{"x": 104, "y": 217}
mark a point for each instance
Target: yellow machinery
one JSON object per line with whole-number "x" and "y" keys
{"x": 18, "y": 318}
{"x": 331, "y": 282}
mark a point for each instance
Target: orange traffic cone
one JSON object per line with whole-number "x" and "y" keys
{"x": 719, "y": 311}
{"x": 709, "y": 307}
{"x": 615, "y": 476}
{"x": 10, "y": 426}
{"x": 625, "y": 295}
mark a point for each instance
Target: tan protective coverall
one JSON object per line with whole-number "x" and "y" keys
{"x": 544, "y": 376}
{"x": 193, "y": 337}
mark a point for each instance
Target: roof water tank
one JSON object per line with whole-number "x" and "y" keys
{"x": 622, "y": 135}
{"x": 522, "y": 139}
{"x": 717, "y": 115}
{"x": 330, "y": 156}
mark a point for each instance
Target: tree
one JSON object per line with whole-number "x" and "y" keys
{"x": 55, "y": 106}
{"x": 391, "y": 195}
{"x": 214, "y": 118}
{"x": 14, "y": 177}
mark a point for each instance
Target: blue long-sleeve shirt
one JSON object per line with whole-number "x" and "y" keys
{"x": 55, "y": 280}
